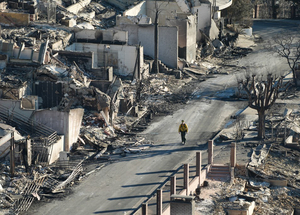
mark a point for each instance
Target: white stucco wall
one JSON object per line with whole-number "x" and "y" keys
{"x": 4, "y": 142}
{"x": 204, "y": 17}
{"x": 168, "y": 41}
{"x": 65, "y": 123}
{"x": 75, "y": 120}
{"x": 168, "y": 45}
{"x": 132, "y": 30}
{"x": 186, "y": 36}
{"x": 191, "y": 39}
{"x": 5, "y": 135}
{"x": 56, "y": 148}
{"x": 121, "y": 57}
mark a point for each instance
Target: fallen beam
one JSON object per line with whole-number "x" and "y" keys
{"x": 190, "y": 74}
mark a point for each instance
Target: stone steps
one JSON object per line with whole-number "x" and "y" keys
{"x": 163, "y": 68}
{"x": 219, "y": 171}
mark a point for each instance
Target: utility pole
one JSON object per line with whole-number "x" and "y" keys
{"x": 156, "y": 42}
{"x": 12, "y": 155}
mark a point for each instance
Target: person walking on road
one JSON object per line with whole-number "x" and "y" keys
{"x": 183, "y": 129}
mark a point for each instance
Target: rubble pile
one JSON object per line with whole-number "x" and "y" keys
{"x": 95, "y": 15}
{"x": 34, "y": 36}
{"x": 225, "y": 47}
{"x": 282, "y": 162}
{"x": 163, "y": 93}
{"x": 17, "y": 193}
{"x": 250, "y": 194}
{"x": 270, "y": 182}
{"x": 101, "y": 140}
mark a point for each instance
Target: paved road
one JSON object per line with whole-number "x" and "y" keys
{"x": 270, "y": 27}
{"x": 122, "y": 186}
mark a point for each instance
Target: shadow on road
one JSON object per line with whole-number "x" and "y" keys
{"x": 138, "y": 185}
{"x": 130, "y": 197}
{"x": 114, "y": 211}
{"x": 156, "y": 172}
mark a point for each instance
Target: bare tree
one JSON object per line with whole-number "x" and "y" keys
{"x": 287, "y": 45}
{"x": 262, "y": 94}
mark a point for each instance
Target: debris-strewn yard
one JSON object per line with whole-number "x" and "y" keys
{"x": 271, "y": 188}
{"x": 269, "y": 182}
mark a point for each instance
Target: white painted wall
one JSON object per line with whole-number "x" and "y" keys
{"x": 5, "y": 135}
{"x": 168, "y": 45}
{"x": 5, "y": 143}
{"x": 186, "y": 35}
{"x": 132, "y": 29}
{"x": 65, "y": 123}
{"x": 191, "y": 38}
{"x": 168, "y": 41}
{"x": 126, "y": 56}
{"x": 204, "y": 17}
{"x": 56, "y": 148}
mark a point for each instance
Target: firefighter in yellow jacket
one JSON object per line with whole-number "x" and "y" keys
{"x": 183, "y": 129}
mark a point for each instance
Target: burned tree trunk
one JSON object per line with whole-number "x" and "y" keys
{"x": 155, "y": 63}
{"x": 261, "y": 123}
{"x": 262, "y": 94}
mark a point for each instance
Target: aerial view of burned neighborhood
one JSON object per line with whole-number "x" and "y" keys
{"x": 170, "y": 107}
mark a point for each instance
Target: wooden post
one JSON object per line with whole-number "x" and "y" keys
{"x": 159, "y": 202}
{"x": 29, "y": 152}
{"x": 12, "y": 155}
{"x": 198, "y": 166}
{"x": 210, "y": 151}
{"x": 186, "y": 178}
{"x": 173, "y": 185}
{"x": 284, "y": 142}
{"x": 272, "y": 126}
{"x": 145, "y": 209}
{"x": 233, "y": 155}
